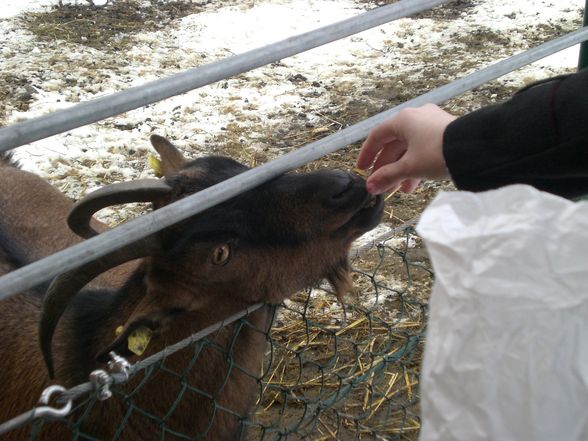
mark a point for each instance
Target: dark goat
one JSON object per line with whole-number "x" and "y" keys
{"x": 260, "y": 246}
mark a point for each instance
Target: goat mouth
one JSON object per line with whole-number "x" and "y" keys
{"x": 371, "y": 202}
{"x": 368, "y": 215}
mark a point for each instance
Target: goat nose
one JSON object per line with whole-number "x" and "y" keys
{"x": 343, "y": 187}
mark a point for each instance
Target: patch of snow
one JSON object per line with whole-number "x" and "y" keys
{"x": 11, "y": 8}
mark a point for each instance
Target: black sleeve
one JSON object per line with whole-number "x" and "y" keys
{"x": 539, "y": 137}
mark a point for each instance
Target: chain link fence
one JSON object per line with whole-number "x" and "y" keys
{"x": 329, "y": 371}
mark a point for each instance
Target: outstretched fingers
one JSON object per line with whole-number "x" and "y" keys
{"x": 380, "y": 136}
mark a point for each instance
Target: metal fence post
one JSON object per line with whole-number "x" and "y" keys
{"x": 583, "y": 60}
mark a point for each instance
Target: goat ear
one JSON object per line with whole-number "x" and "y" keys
{"x": 149, "y": 314}
{"x": 171, "y": 159}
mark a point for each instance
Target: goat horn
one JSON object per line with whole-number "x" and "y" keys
{"x": 65, "y": 286}
{"x": 143, "y": 190}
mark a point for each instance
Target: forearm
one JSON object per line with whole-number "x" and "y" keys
{"x": 539, "y": 137}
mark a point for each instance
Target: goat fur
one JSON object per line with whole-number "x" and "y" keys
{"x": 284, "y": 235}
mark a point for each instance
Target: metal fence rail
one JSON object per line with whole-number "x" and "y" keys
{"x": 47, "y": 268}
{"x": 133, "y": 98}
{"x": 583, "y": 57}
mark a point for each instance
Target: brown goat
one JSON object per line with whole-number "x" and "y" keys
{"x": 261, "y": 246}
{"x": 33, "y": 221}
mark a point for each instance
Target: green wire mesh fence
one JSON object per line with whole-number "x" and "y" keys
{"x": 329, "y": 371}
{"x": 350, "y": 373}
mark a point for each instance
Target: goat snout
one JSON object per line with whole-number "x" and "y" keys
{"x": 349, "y": 196}
{"x": 343, "y": 190}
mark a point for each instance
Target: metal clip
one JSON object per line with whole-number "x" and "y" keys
{"x": 48, "y": 411}
{"x": 119, "y": 365}
{"x": 101, "y": 382}
{"x": 39, "y": 411}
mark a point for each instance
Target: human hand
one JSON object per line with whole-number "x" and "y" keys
{"x": 405, "y": 149}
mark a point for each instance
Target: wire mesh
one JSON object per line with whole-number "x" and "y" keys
{"x": 325, "y": 371}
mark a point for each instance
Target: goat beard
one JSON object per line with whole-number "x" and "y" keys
{"x": 340, "y": 279}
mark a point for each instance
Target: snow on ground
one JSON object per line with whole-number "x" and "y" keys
{"x": 212, "y": 35}
{"x": 260, "y": 114}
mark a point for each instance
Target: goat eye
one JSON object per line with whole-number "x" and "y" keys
{"x": 221, "y": 254}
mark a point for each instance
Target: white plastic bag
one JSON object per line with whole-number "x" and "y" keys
{"x": 506, "y": 356}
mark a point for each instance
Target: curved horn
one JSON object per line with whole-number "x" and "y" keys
{"x": 65, "y": 286}
{"x": 143, "y": 190}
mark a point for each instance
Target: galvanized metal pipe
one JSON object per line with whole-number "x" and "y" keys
{"x": 133, "y": 98}
{"x": 65, "y": 260}
{"x": 583, "y": 58}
